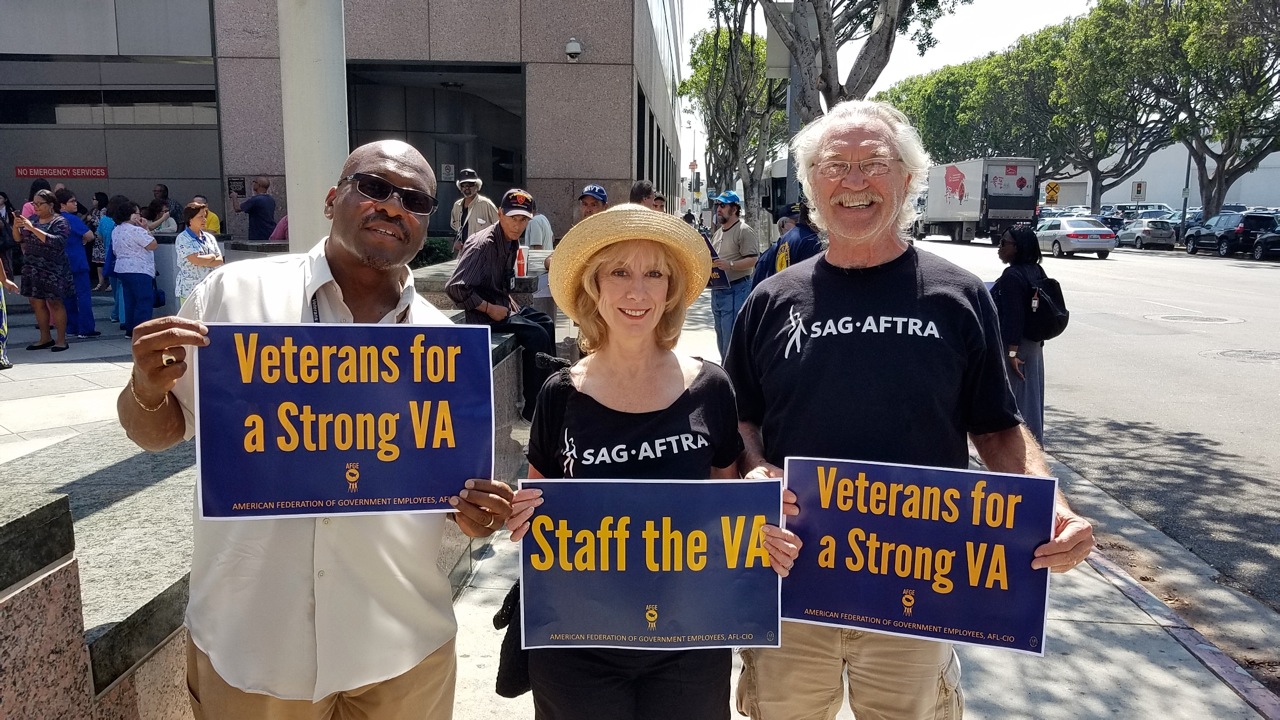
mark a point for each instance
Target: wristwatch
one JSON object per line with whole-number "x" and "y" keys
{"x": 1013, "y": 353}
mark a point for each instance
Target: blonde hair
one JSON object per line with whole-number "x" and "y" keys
{"x": 593, "y": 333}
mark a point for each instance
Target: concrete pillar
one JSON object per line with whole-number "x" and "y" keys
{"x": 313, "y": 84}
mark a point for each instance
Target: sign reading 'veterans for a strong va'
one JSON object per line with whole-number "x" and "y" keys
{"x": 319, "y": 419}
{"x": 652, "y": 564}
{"x": 926, "y": 552}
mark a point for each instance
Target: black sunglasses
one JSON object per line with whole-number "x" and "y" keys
{"x": 375, "y": 188}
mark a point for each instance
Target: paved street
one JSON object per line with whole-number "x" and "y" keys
{"x": 1165, "y": 392}
{"x": 1115, "y": 650}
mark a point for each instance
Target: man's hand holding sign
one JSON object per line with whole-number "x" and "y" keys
{"x": 311, "y": 399}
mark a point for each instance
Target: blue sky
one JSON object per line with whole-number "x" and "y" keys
{"x": 975, "y": 30}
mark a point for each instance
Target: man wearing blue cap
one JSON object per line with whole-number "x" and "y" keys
{"x": 794, "y": 246}
{"x": 592, "y": 200}
{"x": 736, "y": 249}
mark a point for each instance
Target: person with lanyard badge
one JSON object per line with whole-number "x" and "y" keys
{"x": 627, "y": 276}
{"x": 46, "y": 272}
{"x": 198, "y": 251}
{"x": 372, "y": 634}
{"x": 212, "y": 224}
{"x": 736, "y": 249}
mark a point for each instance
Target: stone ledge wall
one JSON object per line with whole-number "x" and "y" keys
{"x": 132, "y": 663}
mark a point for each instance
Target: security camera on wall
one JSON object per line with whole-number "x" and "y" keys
{"x": 573, "y": 49}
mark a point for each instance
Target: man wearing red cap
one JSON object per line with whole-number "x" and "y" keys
{"x": 481, "y": 285}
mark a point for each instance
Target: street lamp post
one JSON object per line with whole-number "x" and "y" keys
{"x": 697, "y": 208}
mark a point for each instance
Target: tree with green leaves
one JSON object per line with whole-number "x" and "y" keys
{"x": 1102, "y": 109}
{"x": 740, "y": 108}
{"x": 1218, "y": 82}
{"x": 1068, "y": 95}
{"x": 815, "y": 30}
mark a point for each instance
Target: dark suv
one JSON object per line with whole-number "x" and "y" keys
{"x": 1229, "y": 232}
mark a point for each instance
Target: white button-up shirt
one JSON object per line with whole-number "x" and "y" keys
{"x": 301, "y": 608}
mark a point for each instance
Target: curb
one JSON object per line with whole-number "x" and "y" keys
{"x": 1219, "y": 663}
{"x": 1265, "y": 702}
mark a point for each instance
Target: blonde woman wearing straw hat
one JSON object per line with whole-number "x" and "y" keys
{"x": 627, "y": 276}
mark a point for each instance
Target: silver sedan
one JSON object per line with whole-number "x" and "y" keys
{"x": 1146, "y": 233}
{"x": 1070, "y": 235}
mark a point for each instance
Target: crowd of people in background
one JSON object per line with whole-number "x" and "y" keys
{"x": 58, "y": 250}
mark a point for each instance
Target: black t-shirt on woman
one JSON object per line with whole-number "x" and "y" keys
{"x": 574, "y": 436}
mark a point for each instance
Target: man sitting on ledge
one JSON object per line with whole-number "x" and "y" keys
{"x": 481, "y": 284}
{"x": 313, "y": 618}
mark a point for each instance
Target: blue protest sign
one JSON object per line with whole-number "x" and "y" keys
{"x": 317, "y": 419}
{"x": 926, "y": 552}
{"x": 652, "y": 564}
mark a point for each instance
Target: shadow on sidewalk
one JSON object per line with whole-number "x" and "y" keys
{"x": 1220, "y": 506}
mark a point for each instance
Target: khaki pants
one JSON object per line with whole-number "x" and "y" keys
{"x": 890, "y": 678}
{"x": 424, "y": 692}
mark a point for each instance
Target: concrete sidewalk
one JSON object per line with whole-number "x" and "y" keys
{"x": 1113, "y": 649}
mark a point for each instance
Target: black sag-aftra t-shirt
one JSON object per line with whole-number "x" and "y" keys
{"x": 894, "y": 363}
{"x": 573, "y": 436}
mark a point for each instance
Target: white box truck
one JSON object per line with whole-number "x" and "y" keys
{"x": 979, "y": 198}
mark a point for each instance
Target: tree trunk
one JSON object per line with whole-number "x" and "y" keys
{"x": 875, "y": 52}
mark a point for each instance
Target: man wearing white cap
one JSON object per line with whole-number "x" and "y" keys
{"x": 472, "y": 212}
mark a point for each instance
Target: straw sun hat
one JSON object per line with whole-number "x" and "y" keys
{"x": 617, "y": 224}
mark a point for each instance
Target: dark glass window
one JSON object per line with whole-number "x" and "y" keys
{"x": 108, "y": 107}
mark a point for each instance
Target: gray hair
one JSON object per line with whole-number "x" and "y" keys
{"x": 807, "y": 143}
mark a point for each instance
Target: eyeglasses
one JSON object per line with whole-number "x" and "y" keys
{"x": 375, "y": 188}
{"x": 39, "y": 203}
{"x": 871, "y": 167}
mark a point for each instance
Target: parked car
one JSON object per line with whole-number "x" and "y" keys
{"x": 1070, "y": 235}
{"x": 1135, "y": 208}
{"x": 1154, "y": 214}
{"x": 1175, "y": 219}
{"x": 1143, "y": 234}
{"x": 1234, "y": 207}
{"x": 1229, "y": 232}
{"x": 1268, "y": 243}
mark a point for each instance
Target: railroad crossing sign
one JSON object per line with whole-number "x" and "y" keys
{"x": 1051, "y": 193}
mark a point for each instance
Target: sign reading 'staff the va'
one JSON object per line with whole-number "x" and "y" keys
{"x": 650, "y": 564}
{"x": 925, "y": 552}
{"x": 318, "y": 419}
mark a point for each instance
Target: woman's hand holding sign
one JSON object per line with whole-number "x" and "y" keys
{"x": 522, "y": 507}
